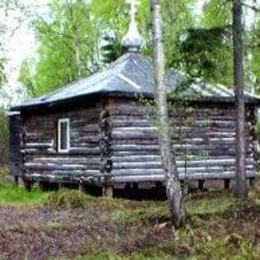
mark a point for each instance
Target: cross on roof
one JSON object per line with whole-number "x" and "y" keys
{"x": 133, "y": 4}
{"x": 133, "y": 40}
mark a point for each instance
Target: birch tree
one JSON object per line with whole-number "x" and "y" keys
{"x": 241, "y": 186}
{"x": 173, "y": 187}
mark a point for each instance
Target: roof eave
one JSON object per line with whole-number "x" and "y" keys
{"x": 135, "y": 95}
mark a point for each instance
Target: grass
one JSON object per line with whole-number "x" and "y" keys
{"x": 70, "y": 224}
{"x": 15, "y": 196}
{"x": 218, "y": 227}
{"x": 67, "y": 199}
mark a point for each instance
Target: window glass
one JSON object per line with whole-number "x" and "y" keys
{"x": 63, "y": 133}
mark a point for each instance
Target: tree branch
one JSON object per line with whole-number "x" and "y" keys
{"x": 254, "y": 8}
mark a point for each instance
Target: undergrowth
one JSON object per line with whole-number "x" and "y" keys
{"x": 67, "y": 199}
{"x": 218, "y": 225}
{"x": 3, "y": 177}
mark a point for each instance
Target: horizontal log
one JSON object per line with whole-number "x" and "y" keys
{"x": 73, "y": 151}
{"x": 39, "y": 145}
{"x": 130, "y": 122}
{"x": 57, "y": 166}
{"x": 136, "y": 158}
{"x": 160, "y": 177}
{"x": 65, "y": 160}
{"x": 37, "y": 151}
{"x": 139, "y": 152}
{"x": 134, "y": 135}
{"x": 182, "y": 160}
{"x": 139, "y": 178}
{"x": 137, "y": 171}
{"x": 75, "y": 173}
{"x": 78, "y": 150}
{"x": 137, "y": 165}
{"x": 182, "y": 165}
{"x": 133, "y": 147}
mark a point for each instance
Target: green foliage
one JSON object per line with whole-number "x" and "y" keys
{"x": 27, "y": 78}
{"x": 68, "y": 48}
{"x": 217, "y": 13}
{"x": 72, "y": 46}
{"x": 2, "y": 72}
{"x": 112, "y": 50}
{"x": 16, "y": 196}
{"x": 258, "y": 130}
{"x": 255, "y": 47}
{"x": 177, "y": 18}
{"x": 206, "y": 54}
{"x": 67, "y": 199}
{"x": 204, "y": 50}
{"x": 83, "y": 36}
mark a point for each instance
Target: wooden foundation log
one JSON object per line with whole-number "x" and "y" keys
{"x": 108, "y": 191}
{"x": 135, "y": 186}
{"x": 185, "y": 187}
{"x": 226, "y": 184}
{"x": 201, "y": 185}
{"x": 82, "y": 187}
{"x": 61, "y": 185}
{"x": 44, "y": 185}
{"x": 27, "y": 185}
{"x": 16, "y": 180}
{"x": 252, "y": 181}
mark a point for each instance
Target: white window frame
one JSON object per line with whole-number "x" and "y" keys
{"x": 60, "y": 121}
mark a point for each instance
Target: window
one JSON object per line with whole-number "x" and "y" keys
{"x": 63, "y": 135}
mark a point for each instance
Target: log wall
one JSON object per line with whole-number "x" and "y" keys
{"x": 203, "y": 138}
{"x": 15, "y": 139}
{"x": 41, "y": 158}
{"x": 116, "y": 141}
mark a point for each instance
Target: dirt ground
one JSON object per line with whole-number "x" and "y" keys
{"x": 218, "y": 226}
{"x": 38, "y": 233}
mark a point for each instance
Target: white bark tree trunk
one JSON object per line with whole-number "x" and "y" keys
{"x": 173, "y": 187}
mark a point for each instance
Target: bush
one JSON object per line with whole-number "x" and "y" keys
{"x": 67, "y": 199}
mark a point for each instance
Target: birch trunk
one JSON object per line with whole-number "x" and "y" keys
{"x": 240, "y": 186}
{"x": 173, "y": 187}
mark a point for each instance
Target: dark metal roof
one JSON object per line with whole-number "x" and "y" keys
{"x": 132, "y": 75}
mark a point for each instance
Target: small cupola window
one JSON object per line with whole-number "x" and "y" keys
{"x": 63, "y": 135}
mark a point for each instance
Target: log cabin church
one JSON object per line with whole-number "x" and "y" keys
{"x": 97, "y": 131}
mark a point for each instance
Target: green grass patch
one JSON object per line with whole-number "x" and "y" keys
{"x": 67, "y": 199}
{"x": 147, "y": 212}
{"x": 215, "y": 202}
{"x": 3, "y": 177}
{"x": 12, "y": 195}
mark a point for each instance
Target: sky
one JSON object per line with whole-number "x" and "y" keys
{"x": 19, "y": 43}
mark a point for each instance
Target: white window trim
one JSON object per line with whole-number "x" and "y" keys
{"x": 63, "y": 120}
